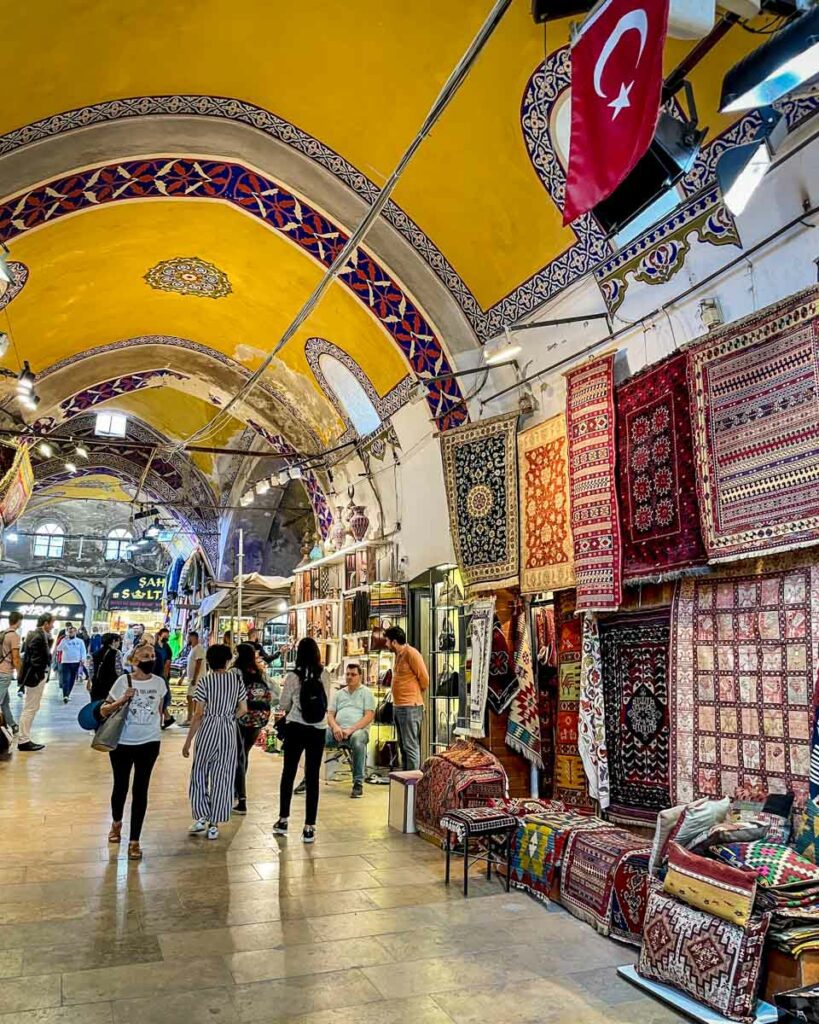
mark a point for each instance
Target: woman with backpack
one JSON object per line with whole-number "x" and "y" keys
{"x": 106, "y": 666}
{"x": 304, "y": 699}
{"x": 259, "y": 696}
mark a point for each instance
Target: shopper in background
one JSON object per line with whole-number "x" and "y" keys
{"x": 352, "y": 709}
{"x": 9, "y": 663}
{"x": 258, "y": 696}
{"x": 219, "y": 699}
{"x": 164, "y": 658}
{"x": 194, "y": 669}
{"x": 138, "y": 747}
{"x": 33, "y": 675}
{"x": 95, "y": 642}
{"x": 410, "y": 679}
{"x": 106, "y": 666}
{"x": 304, "y": 699}
{"x": 253, "y": 640}
{"x": 72, "y": 653}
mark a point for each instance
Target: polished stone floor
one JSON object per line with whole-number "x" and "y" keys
{"x": 358, "y": 928}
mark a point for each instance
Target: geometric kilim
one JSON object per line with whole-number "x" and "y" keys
{"x": 635, "y": 684}
{"x": 711, "y": 960}
{"x": 743, "y": 661}
{"x": 755, "y": 411}
{"x": 776, "y": 866}
{"x": 545, "y": 531}
{"x": 593, "y": 485}
{"x": 481, "y": 477}
{"x": 655, "y": 468}
{"x": 570, "y": 779}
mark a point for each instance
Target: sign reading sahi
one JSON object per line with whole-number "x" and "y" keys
{"x": 137, "y": 593}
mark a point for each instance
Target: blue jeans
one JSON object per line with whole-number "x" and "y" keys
{"x": 357, "y": 744}
{"x": 408, "y": 723}
{"x": 68, "y": 676}
{"x": 5, "y": 704}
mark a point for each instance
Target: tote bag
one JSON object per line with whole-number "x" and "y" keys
{"x": 106, "y": 738}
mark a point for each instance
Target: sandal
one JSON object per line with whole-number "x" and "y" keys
{"x": 115, "y": 835}
{"x": 134, "y": 851}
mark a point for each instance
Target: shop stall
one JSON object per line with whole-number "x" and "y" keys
{"x": 38, "y": 595}
{"x": 135, "y": 601}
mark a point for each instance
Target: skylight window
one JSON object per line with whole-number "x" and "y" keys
{"x": 111, "y": 424}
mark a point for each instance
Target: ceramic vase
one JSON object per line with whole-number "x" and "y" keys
{"x": 359, "y": 522}
{"x": 339, "y": 532}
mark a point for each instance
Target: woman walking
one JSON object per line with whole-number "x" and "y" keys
{"x": 304, "y": 698}
{"x": 138, "y": 748}
{"x": 258, "y": 696}
{"x": 107, "y": 666}
{"x": 218, "y": 700}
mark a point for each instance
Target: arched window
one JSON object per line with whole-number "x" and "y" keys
{"x": 351, "y": 394}
{"x": 116, "y": 546}
{"x": 49, "y": 541}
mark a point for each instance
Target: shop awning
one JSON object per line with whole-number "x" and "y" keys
{"x": 212, "y": 601}
{"x": 255, "y": 579}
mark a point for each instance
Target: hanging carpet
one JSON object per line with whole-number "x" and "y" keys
{"x": 742, "y": 665}
{"x": 655, "y": 468}
{"x": 523, "y": 725}
{"x": 477, "y": 669}
{"x": 755, "y": 409}
{"x": 502, "y": 679}
{"x": 570, "y": 779}
{"x": 547, "y": 560}
{"x": 635, "y": 681}
{"x": 592, "y": 485}
{"x": 481, "y": 477}
{"x": 591, "y": 733}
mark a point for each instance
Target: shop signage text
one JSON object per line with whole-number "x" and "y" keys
{"x": 137, "y": 592}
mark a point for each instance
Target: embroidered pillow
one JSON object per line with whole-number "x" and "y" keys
{"x": 730, "y": 832}
{"x": 806, "y": 833}
{"x": 698, "y": 818}
{"x": 777, "y": 866}
{"x": 666, "y": 820}
{"x": 779, "y": 828}
{"x": 712, "y": 961}
{"x": 707, "y": 884}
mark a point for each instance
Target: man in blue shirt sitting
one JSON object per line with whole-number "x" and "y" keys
{"x": 349, "y": 716}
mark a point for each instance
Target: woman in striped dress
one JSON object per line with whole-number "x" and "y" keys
{"x": 218, "y": 700}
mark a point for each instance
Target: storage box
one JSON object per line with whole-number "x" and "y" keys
{"x": 402, "y": 800}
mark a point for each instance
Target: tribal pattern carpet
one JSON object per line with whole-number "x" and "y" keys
{"x": 502, "y": 678}
{"x": 538, "y": 848}
{"x": 629, "y": 898}
{"x": 547, "y": 560}
{"x": 755, "y": 408}
{"x": 479, "y": 657}
{"x": 480, "y": 472}
{"x": 635, "y": 684}
{"x": 591, "y": 732}
{"x": 743, "y": 660}
{"x": 570, "y": 779}
{"x": 593, "y": 485}
{"x": 523, "y": 724}
{"x": 655, "y": 468}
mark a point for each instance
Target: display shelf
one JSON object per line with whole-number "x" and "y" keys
{"x": 315, "y": 603}
{"x": 337, "y": 557}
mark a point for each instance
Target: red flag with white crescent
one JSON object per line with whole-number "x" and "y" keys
{"x": 617, "y": 81}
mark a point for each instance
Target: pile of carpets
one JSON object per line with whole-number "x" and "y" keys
{"x": 539, "y": 846}
{"x": 465, "y": 775}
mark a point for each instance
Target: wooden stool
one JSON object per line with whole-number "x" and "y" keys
{"x": 484, "y": 822}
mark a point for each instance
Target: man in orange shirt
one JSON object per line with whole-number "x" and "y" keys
{"x": 410, "y": 679}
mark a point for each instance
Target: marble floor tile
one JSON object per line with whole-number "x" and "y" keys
{"x": 87, "y": 1013}
{"x": 316, "y": 958}
{"x": 179, "y": 945}
{"x": 215, "y": 1005}
{"x": 136, "y": 980}
{"x": 31, "y": 993}
{"x": 305, "y": 994}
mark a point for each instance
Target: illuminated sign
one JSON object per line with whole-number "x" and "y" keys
{"x": 137, "y": 593}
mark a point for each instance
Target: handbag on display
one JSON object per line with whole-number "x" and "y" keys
{"x": 384, "y": 712}
{"x": 378, "y": 638}
{"x": 446, "y": 641}
{"x": 386, "y": 680}
{"x": 448, "y": 685}
{"x": 386, "y": 754}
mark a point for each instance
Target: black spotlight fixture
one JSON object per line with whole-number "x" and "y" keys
{"x": 552, "y": 10}
{"x": 788, "y": 60}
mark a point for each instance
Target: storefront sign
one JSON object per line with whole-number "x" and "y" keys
{"x": 137, "y": 593}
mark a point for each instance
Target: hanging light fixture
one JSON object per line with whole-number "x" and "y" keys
{"x": 741, "y": 169}
{"x": 4, "y": 343}
{"x": 6, "y": 273}
{"x": 71, "y": 466}
{"x": 25, "y": 380}
{"x": 262, "y": 486}
{"x": 283, "y": 478}
{"x": 788, "y": 60}
{"x": 502, "y": 349}
{"x": 46, "y": 449}
{"x": 295, "y": 472}
{"x": 81, "y": 450}
{"x": 28, "y": 400}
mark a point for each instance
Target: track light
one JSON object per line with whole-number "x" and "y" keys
{"x": 283, "y": 478}
{"x": 25, "y": 380}
{"x": 152, "y": 531}
{"x": 28, "y": 400}
{"x": 501, "y": 349}
{"x": 46, "y": 449}
{"x": 786, "y": 61}
{"x": 82, "y": 451}
{"x": 741, "y": 169}
{"x": 4, "y": 343}
{"x": 71, "y": 467}
{"x": 262, "y": 486}
{"x": 295, "y": 472}
{"x": 6, "y": 273}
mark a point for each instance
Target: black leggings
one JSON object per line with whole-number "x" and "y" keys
{"x": 308, "y": 740}
{"x": 142, "y": 758}
{"x": 248, "y": 735}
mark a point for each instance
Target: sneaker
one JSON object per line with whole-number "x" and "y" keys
{"x": 168, "y": 723}
{"x": 280, "y": 828}
{"x": 198, "y": 826}
{"x": 65, "y": 700}
{"x": 213, "y": 832}
{"x": 358, "y": 790}
{"x": 309, "y": 834}
{"x": 31, "y": 746}
{"x": 241, "y": 807}
{"x": 301, "y": 788}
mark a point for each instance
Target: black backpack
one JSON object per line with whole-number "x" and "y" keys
{"x": 312, "y": 699}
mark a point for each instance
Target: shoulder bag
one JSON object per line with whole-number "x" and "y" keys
{"x": 106, "y": 738}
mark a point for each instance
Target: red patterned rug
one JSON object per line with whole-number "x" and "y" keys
{"x": 592, "y": 485}
{"x": 741, "y": 671}
{"x": 570, "y": 784}
{"x": 658, "y": 501}
{"x": 755, "y": 408}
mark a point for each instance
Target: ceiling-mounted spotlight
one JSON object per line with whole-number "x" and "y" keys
{"x": 283, "y": 478}
{"x": 262, "y": 486}
{"x": 81, "y": 450}
{"x": 147, "y": 513}
{"x": 295, "y": 472}
{"x": 71, "y": 466}
{"x": 28, "y": 400}
{"x": 502, "y": 349}
{"x": 6, "y": 274}
{"x": 46, "y": 449}
{"x": 246, "y": 499}
{"x": 153, "y": 530}
{"x": 783, "y": 63}
{"x": 4, "y": 343}
{"x": 741, "y": 169}
{"x": 25, "y": 379}
{"x": 418, "y": 393}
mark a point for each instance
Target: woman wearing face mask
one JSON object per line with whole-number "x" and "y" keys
{"x": 259, "y": 695}
{"x": 143, "y": 692}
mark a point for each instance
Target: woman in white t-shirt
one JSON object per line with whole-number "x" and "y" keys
{"x": 138, "y": 746}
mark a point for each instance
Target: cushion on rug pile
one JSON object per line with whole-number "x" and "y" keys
{"x": 806, "y": 832}
{"x": 710, "y": 885}
{"x": 778, "y": 867}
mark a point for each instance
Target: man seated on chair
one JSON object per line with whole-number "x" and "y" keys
{"x": 349, "y": 716}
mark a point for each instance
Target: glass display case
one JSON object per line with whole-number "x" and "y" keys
{"x": 446, "y": 638}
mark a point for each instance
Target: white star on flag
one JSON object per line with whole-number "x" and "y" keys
{"x": 622, "y": 101}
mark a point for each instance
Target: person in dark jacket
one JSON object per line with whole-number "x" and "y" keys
{"x": 164, "y": 660}
{"x": 258, "y": 696}
{"x": 33, "y": 676}
{"x": 107, "y": 666}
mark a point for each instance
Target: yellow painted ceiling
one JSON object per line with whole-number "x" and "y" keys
{"x": 99, "y": 486}
{"x": 86, "y": 288}
{"x": 361, "y": 82}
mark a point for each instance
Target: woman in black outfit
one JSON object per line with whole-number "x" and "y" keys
{"x": 259, "y": 697}
{"x": 107, "y": 666}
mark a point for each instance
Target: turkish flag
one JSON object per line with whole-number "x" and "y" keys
{"x": 617, "y": 81}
